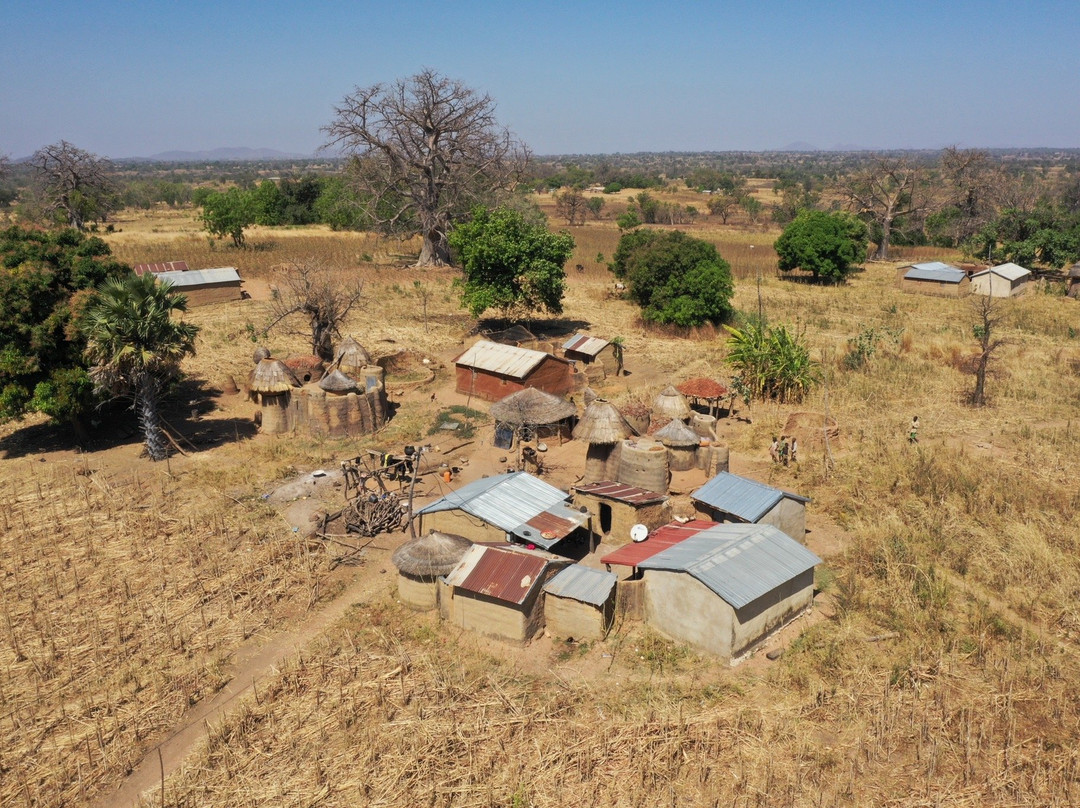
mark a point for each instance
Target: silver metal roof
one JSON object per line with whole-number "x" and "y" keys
{"x": 743, "y": 498}
{"x": 197, "y": 277}
{"x": 586, "y": 344}
{"x": 935, "y": 271}
{"x": 1009, "y": 271}
{"x": 740, "y": 563}
{"x": 506, "y": 360}
{"x": 510, "y": 502}
{"x": 585, "y": 584}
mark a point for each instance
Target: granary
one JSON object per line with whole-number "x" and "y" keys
{"x": 682, "y": 445}
{"x": 421, "y": 561}
{"x": 722, "y": 587}
{"x": 492, "y": 371}
{"x": 497, "y": 591}
{"x": 351, "y": 357}
{"x": 507, "y": 507}
{"x": 615, "y": 509}
{"x": 934, "y": 278}
{"x": 603, "y": 428}
{"x": 593, "y": 352}
{"x": 670, "y": 404}
{"x": 202, "y": 286}
{"x": 306, "y": 368}
{"x": 579, "y": 603}
{"x": 730, "y": 498}
{"x": 532, "y": 413}
{"x": 270, "y": 385}
{"x": 1004, "y": 280}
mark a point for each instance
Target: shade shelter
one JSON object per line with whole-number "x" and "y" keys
{"x": 701, "y": 390}
{"x": 532, "y": 413}
{"x": 934, "y": 278}
{"x": 670, "y": 403}
{"x": 730, "y": 498}
{"x": 1004, "y": 280}
{"x": 615, "y": 509}
{"x": 579, "y": 603}
{"x": 420, "y": 562}
{"x": 270, "y": 385}
{"x": 492, "y": 371}
{"x": 603, "y": 428}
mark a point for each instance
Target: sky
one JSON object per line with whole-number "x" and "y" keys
{"x": 131, "y": 79}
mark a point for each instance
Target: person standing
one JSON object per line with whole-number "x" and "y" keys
{"x": 783, "y": 449}
{"x": 794, "y": 450}
{"x": 774, "y": 450}
{"x": 913, "y": 430}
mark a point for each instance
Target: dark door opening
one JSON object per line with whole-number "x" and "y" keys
{"x": 605, "y": 518}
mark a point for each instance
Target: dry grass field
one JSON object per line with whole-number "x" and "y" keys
{"x": 942, "y": 668}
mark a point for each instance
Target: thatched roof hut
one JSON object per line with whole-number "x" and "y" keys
{"x": 431, "y": 555}
{"x": 532, "y": 407}
{"x": 337, "y": 382}
{"x": 602, "y": 423}
{"x": 261, "y": 353}
{"x": 351, "y": 355}
{"x": 272, "y": 377}
{"x": 671, "y": 404}
{"x": 677, "y": 433}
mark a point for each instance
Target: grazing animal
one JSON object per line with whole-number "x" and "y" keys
{"x": 579, "y": 268}
{"x": 620, "y": 287}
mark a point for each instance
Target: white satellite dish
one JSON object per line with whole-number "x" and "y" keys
{"x": 639, "y": 533}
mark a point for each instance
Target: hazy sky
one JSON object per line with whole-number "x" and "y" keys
{"x": 133, "y": 78}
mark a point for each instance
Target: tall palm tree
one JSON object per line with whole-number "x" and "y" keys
{"x": 136, "y": 345}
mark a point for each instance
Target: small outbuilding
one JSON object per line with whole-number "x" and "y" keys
{"x": 202, "y": 286}
{"x": 934, "y": 278}
{"x": 496, "y": 591}
{"x": 594, "y": 352}
{"x": 492, "y": 371}
{"x": 615, "y": 509}
{"x": 603, "y": 428}
{"x": 1004, "y": 280}
{"x": 579, "y": 603}
{"x": 507, "y": 507}
{"x": 670, "y": 404}
{"x": 421, "y": 561}
{"x": 730, "y": 498}
{"x": 532, "y": 413}
{"x": 701, "y": 390}
{"x": 271, "y": 386}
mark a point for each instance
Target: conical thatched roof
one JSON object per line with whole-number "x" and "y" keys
{"x": 602, "y": 423}
{"x": 676, "y": 433}
{"x": 701, "y": 387}
{"x": 532, "y": 407}
{"x": 337, "y": 382}
{"x": 431, "y": 555}
{"x": 261, "y": 353}
{"x": 671, "y": 404}
{"x": 271, "y": 376}
{"x": 590, "y": 396}
{"x": 351, "y": 354}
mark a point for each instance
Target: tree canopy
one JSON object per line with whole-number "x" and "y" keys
{"x": 74, "y": 185}
{"x": 510, "y": 263}
{"x": 829, "y": 245}
{"x": 425, "y": 150}
{"x": 674, "y": 278}
{"x": 229, "y": 213}
{"x": 45, "y": 277}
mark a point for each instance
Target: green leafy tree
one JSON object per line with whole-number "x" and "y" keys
{"x": 229, "y": 213}
{"x": 829, "y": 245}
{"x": 44, "y": 280}
{"x": 269, "y": 204}
{"x": 136, "y": 346}
{"x": 339, "y": 206}
{"x": 674, "y": 278}
{"x": 511, "y": 265}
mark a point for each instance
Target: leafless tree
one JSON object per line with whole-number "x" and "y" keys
{"x": 312, "y": 293}
{"x": 887, "y": 190}
{"x": 989, "y": 316}
{"x": 73, "y": 183}
{"x": 571, "y": 205}
{"x": 425, "y": 150}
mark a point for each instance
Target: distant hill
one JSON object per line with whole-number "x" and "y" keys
{"x": 231, "y": 154}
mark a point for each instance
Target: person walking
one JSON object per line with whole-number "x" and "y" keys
{"x": 913, "y": 430}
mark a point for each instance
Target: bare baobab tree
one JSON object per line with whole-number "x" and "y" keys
{"x": 73, "y": 183}
{"x": 309, "y": 292}
{"x": 888, "y": 190}
{"x": 425, "y": 150}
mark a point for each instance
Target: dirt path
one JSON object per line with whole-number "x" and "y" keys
{"x": 253, "y": 661}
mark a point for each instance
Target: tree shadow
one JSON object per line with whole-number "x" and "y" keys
{"x": 499, "y": 328}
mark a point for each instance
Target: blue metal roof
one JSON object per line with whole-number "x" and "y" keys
{"x": 935, "y": 271}
{"x": 513, "y": 503}
{"x": 582, "y": 583}
{"x": 740, "y": 563}
{"x": 197, "y": 277}
{"x": 746, "y": 499}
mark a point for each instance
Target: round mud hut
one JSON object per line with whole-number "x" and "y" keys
{"x": 532, "y": 413}
{"x": 603, "y": 428}
{"x": 682, "y": 444}
{"x": 421, "y": 561}
{"x": 644, "y": 464}
{"x": 671, "y": 404}
{"x": 306, "y": 368}
{"x": 271, "y": 384}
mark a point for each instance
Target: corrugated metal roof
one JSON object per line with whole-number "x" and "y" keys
{"x": 498, "y": 572}
{"x": 506, "y": 360}
{"x": 740, "y": 563}
{"x": 1009, "y": 271}
{"x": 198, "y": 277}
{"x": 935, "y": 271}
{"x": 512, "y": 502}
{"x": 621, "y": 493}
{"x": 583, "y": 343}
{"x": 582, "y": 583}
{"x": 743, "y": 498}
{"x": 631, "y": 555}
{"x": 160, "y": 266}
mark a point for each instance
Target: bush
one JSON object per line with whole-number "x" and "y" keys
{"x": 829, "y": 245}
{"x": 771, "y": 363}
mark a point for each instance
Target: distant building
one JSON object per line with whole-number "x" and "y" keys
{"x": 730, "y": 498}
{"x": 934, "y": 278}
{"x": 202, "y": 286}
{"x": 1004, "y": 280}
{"x": 492, "y": 371}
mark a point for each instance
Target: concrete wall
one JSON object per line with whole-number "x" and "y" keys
{"x": 623, "y": 516}
{"x": 495, "y": 618}
{"x": 212, "y": 293}
{"x": 460, "y": 523}
{"x": 417, "y": 593}
{"x": 757, "y": 620}
{"x": 997, "y": 286}
{"x": 566, "y": 617}
{"x": 788, "y": 516}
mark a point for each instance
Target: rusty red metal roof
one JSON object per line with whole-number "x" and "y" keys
{"x": 501, "y": 573}
{"x": 160, "y": 266}
{"x": 631, "y": 555}
{"x": 629, "y": 494}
